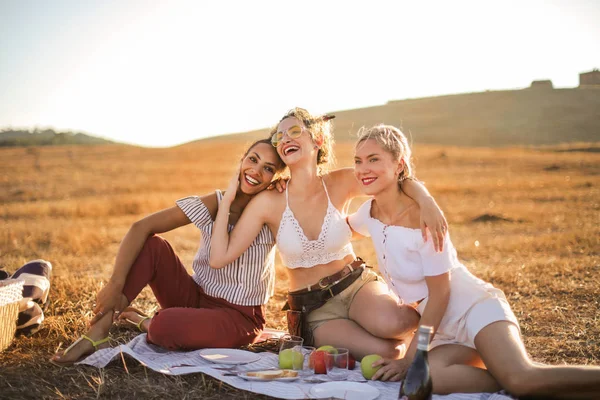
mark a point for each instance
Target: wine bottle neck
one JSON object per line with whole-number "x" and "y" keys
{"x": 423, "y": 341}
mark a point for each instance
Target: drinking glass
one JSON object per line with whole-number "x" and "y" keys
{"x": 337, "y": 364}
{"x": 301, "y": 360}
{"x": 286, "y": 356}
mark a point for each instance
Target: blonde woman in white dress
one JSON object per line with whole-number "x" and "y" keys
{"x": 477, "y": 345}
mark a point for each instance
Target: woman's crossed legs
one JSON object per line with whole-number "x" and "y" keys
{"x": 376, "y": 324}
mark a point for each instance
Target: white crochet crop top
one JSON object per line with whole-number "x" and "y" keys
{"x": 333, "y": 243}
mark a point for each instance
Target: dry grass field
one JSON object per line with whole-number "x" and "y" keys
{"x": 526, "y": 219}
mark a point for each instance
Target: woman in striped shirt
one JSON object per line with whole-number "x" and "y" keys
{"x": 216, "y": 307}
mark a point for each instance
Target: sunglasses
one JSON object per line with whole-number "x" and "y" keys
{"x": 293, "y": 132}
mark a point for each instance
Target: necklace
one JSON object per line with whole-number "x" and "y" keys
{"x": 395, "y": 216}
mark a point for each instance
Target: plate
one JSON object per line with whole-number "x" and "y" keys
{"x": 256, "y": 378}
{"x": 229, "y": 356}
{"x": 344, "y": 390}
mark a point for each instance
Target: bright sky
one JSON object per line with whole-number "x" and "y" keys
{"x": 161, "y": 73}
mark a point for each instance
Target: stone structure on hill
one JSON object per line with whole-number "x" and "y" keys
{"x": 592, "y": 78}
{"x": 545, "y": 84}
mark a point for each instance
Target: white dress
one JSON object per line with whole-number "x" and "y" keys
{"x": 405, "y": 260}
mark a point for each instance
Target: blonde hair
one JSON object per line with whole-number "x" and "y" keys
{"x": 392, "y": 140}
{"x": 319, "y": 127}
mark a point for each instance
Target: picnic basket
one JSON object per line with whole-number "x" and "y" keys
{"x": 11, "y": 293}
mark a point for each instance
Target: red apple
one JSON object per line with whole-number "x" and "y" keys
{"x": 317, "y": 360}
{"x": 351, "y": 362}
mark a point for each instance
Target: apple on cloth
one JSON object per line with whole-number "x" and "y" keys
{"x": 366, "y": 365}
{"x": 332, "y": 350}
{"x": 290, "y": 359}
{"x": 317, "y": 361}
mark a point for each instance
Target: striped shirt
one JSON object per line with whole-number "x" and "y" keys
{"x": 247, "y": 281}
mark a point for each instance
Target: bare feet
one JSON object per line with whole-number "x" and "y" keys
{"x": 81, "y": 348}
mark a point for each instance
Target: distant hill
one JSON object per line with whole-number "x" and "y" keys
{"x": 46, "y": 137}
{"x": 494, "y": 118}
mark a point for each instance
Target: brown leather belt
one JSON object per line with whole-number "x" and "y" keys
{"x": 327, "y": 288}
{"x": 327, "y": 281}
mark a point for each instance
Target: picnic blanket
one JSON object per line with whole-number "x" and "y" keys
{"x": 178, "y": 363}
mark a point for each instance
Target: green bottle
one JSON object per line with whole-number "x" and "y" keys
{"x": 417, "y": 384}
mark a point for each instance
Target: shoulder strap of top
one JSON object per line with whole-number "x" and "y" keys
{"x": 325, "y": 187}
{"x": 326, "y": 192}
{"x": 219, "y": 195}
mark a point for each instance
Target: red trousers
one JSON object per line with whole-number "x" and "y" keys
{"x": 189, "y": 318}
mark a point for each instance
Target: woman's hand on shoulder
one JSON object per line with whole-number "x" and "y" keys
{"x": 432, "y": 218}
{"x": 279, "y": 184}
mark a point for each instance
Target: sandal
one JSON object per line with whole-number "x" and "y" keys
{"x": 140, "y": 313}
{"x": 95, "y": 345}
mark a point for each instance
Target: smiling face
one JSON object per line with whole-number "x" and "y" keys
{"x": 375, "y": 168}
{"x": 258, "y": 168}
{"x": 296, "y": 143}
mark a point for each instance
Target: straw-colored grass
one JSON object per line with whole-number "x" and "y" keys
{"x": 538, "y": 240}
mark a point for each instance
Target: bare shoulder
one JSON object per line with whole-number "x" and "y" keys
{"x": 211, "y": 202}
{"x": 269, "y": 196}
{"x": 341, "y": 174}
{"x": 339, "y": 179}
{"x": 342, "y": 184}
{"x": 267, "y": 203}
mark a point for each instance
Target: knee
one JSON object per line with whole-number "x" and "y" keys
{"x": 152, "y": 247}
{"x": 395, "y": 324}
{"x": 520, "y": 382}
{"x": 153, "y": 242}
{"x": 407, "y": 320}
{"x": 160, "y": 331}
{"x": 157, "y": 248}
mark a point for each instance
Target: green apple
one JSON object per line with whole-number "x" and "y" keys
{"x": 328, "y": 348}
{"x": 297, "y": 360}
{"x": 366, "y": 365}
{"x": 289, "y": 359}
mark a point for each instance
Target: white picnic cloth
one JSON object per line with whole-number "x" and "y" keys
{"x": 179, "y": 362}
